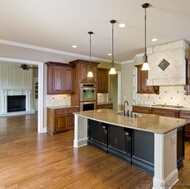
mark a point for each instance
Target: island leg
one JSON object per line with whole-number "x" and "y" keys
{"x": 80, "y": 131}
{"x": 165, "y": 160}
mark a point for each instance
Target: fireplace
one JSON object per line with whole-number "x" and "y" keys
{"x": 16, "y": 103}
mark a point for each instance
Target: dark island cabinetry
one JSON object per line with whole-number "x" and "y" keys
{"x": 136, "y": 147}
{"x": 119, "y": 142}
{"x": 97, "y": 134}
{"x": 143, "y": 150}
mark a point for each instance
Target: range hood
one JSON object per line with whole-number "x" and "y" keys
{"x": 167, "y": 64}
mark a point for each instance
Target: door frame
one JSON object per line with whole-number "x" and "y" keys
{"x": 41, "y": 92}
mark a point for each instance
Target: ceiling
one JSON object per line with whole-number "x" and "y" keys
{"x": 59, "y": 24}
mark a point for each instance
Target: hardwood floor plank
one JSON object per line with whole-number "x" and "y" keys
{"x": 29, "y": 160}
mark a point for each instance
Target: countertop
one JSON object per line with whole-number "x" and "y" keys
{"x": 145, "y": 122}
{"x": 172, "y": 107}
{"x": 61, "y": 107}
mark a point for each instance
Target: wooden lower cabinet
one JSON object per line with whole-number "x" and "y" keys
{"x": 165, "y": 112}
{"x": 60, "y": 120}
{"x": 169, "y": 113}
{"x": 141, "y": 109}
{"x": 105, "y": 106}
{"x": 186, "y": 115}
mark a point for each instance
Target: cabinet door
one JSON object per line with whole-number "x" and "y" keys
{"x": 102, "y": 80}
{"x": 98, "y": 133}
{"x": 57, "y": 79}
{"x": 84, "y": 72}
{"x": 70, "y": 117}
{"x": 68, "y": 75}
{"x": 61, "y": 122}
{"x": 142, "y": 77}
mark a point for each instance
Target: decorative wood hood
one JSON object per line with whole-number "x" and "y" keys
{"x": 167, "y": 64}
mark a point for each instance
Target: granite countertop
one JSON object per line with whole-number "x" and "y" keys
{"x": 145, "y": 122}
{"x": 61, "y": 107}
{"x": 163, "y": 106}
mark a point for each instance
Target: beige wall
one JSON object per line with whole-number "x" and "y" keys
{"x": 127, "y": 83}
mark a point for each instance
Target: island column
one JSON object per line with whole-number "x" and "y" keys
{"x": 165, "y": 158}
{"x": 80, "y": 131}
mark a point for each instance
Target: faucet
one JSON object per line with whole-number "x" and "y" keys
{"x": 126, "y": 112}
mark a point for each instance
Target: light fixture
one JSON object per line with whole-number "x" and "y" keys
{"x": 112, "y": 70}
{"x": 74, "y": 46}
{"x": 122, "y": 25}
{"x": 145, "y": 57}
{"x": 90, "y": 74}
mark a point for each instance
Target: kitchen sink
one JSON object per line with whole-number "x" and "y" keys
{"x": 129, "y": 114}
{"x": 167, "y": 106}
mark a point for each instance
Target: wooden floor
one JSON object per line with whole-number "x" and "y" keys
{"x": 30, "y": 160}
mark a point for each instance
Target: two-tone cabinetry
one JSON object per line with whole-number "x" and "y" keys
{"x": 166, "y": 112}
{"x": 60, "y": 119}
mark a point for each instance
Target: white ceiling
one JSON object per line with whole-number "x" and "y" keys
{"x": 59, "y": 24}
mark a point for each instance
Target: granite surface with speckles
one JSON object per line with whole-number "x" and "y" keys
{"x": 144, "y": 122}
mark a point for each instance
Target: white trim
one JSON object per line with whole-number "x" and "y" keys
{"x": 41, "y": 105}
{"x": 27, "y": 46}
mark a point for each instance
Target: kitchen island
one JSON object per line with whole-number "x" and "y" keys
{"x": 159, "y": 137}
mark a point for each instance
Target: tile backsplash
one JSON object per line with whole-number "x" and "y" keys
{"x": 58, "y": 100}
{"x": 102, "y": 97}
{"x": 170, "y": 95}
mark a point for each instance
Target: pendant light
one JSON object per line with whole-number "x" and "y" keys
{"x": 90, "y": 74}
{"x": 145, "y": 57}
{"x": 112, "y": 70}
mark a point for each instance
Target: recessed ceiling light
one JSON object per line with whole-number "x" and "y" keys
{"x": 154, "y": 39}
{"x": 109, "y": 54}
{"x": 122, "y": 25}
{"x": 74, "y": 46}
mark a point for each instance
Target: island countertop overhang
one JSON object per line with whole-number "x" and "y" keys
{"x": 145, "y": 122}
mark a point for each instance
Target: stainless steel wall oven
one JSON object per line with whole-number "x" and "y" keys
{"x": 87, "y": 96}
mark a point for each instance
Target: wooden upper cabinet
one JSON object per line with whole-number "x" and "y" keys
{"x": 102, "y": 80}
{"x": 187, "y": 86}
{"x": 59, "y": 78}
{"x": 81, "y": 69}
{"x": 142, "y": 87}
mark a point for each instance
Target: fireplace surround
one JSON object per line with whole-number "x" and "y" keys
{"x": 20, "y": 100}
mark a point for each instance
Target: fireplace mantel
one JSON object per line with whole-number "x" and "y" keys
{"x": 13, "y": 92}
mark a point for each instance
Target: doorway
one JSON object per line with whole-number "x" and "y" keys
{"x": 115, "y": 90}
{"x": 41, "y": 126}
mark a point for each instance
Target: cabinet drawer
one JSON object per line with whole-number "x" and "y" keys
{"x": 61, "y": 111}
{"x": 165, "y": 112}
{"x": 184, "y": 114}
{"x": 71, "y": 110}
{"x": 105, "y": 106}
{"x": 140, "y": 109}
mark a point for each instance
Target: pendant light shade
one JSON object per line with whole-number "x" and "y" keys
{"x": 90, "y": 74}
{"x": 145, "y": 57}
{"x": 112, "y": 70}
